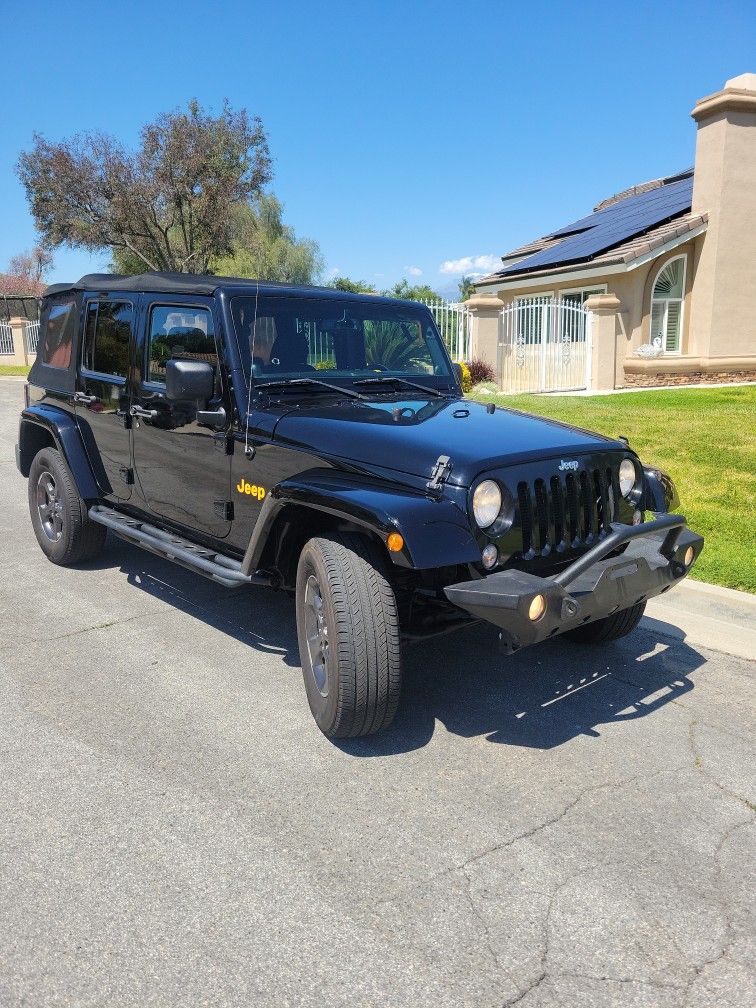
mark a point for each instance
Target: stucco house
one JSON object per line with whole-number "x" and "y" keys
{"x": 668, "y": 264}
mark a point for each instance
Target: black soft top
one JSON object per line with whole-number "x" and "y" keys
{"x": 196, "y": 283}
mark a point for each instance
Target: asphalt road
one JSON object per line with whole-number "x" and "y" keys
{"x": 566, "y": 827}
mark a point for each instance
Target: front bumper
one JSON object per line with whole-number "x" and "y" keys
{"x": 594, "y": 586}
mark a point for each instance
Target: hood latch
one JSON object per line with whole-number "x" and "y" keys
{"x": 441, "y": 469}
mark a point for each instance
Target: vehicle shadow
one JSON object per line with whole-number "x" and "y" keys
{"x": 539, "y": 698}
{"x": 258, "y": 617}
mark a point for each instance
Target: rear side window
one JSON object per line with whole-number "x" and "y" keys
{"x": 58, "y": 325}
{"x": 179, "y": 331}
{"x": 106, "y": 337}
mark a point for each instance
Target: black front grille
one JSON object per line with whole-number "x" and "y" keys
{"x": 567, "y": 511}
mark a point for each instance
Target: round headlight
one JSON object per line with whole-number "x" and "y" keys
{"x": 486, "y": 503}
{"x": 627, "y": 476}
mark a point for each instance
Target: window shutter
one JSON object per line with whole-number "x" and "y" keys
{"x": 672, "y": 335}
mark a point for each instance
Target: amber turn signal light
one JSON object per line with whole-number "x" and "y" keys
{"x": 395, "y": 542}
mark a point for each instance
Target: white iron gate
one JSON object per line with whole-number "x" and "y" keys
{"x": 453, "y": 321}
{"x": 31, "y": 336}
{"x": 6, "y": 339}
{"x": 545, "y": 345}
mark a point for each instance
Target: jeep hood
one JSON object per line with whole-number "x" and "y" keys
{"x": 408, "y": 435}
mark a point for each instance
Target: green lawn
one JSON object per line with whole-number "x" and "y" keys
{"x": 13, "y": 369}
{"x": 705, "y": 439}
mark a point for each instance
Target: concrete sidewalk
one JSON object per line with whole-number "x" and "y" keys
{"x": 705, "y": 614}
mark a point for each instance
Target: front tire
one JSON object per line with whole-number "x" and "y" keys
{"x": 348, "y": 632}
{"x": 59, "y": 516}
{"x": 601, "y": 631}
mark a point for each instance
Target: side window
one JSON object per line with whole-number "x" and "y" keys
{"x": 180, "y": 332}
{"x": 58, "y": 325}
{"x": 106, "y": 337}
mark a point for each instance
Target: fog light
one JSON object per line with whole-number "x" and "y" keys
{"x": 490, "y": 555}
{"x": 537, "y": 608}
{"x": 689, "y": 555}
{"x": 395, "y": 542}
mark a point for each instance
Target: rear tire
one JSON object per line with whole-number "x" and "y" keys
{"x": 59, "y": 516}
{"x": 601, "y": 631}
{"x": 348, "y": 632}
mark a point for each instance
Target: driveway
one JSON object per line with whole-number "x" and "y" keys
{"x": 566, "y": 827}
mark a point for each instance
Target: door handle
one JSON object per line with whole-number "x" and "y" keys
{"x": 81, "y": 397}
{"x": 147, "y": 414}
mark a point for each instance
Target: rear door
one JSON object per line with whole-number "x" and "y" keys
{"x": 182, "y": 467}
{"x": 103, "y": 394}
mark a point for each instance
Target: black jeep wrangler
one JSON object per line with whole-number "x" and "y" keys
{"x": 319, "y": 442}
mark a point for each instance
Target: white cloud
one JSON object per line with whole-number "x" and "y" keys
{"x": 477, "y": 265}
{"x": 333, "y": 272}
{"x": 413, "y": 270}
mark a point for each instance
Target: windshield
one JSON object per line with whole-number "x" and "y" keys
{"x": 338, "y": 341}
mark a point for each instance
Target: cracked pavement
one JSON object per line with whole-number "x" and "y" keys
{"x": 568, "y": 827}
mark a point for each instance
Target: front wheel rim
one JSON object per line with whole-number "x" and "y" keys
{"x": 49, "y": 507}
{"x": 316, "y": 632}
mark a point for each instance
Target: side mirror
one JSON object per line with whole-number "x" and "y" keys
{"x": 189, "y": 380}
{"x": 458, "y": 373}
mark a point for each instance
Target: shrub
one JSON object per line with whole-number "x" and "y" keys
{"x": 326, "y": 365}
{"x": 481, "y": 371}
{"x": 485, "y": 388}
{"x": 466, "y": 379}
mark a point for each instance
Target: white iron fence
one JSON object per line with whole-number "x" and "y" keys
{"x": 545, "y": 345}
{"x": 6, "y": 340}
{"x": 453, "y": 321}
{"x": 454, "y": 324}
{"x": 31, "y": 337}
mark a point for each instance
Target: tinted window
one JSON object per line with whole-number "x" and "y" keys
{"x": 283, "y": 337}
{"x": 106, "y": 337}
{"x": 58, "y": 324}
{"x": 177, "y": 331}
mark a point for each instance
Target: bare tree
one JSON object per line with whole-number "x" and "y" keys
{"x": 170, "y": 204}
{"x": 25, "y": 272}
{"x": 31, "y": 265}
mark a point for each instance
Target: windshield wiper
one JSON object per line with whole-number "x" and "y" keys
{"x": 394, "y": 380}
{"x": 287, "y": 382}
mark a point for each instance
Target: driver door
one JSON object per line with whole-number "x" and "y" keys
{"x": 181, "y": 466}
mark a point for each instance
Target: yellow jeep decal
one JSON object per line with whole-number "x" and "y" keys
{"x": 250, "y": 488}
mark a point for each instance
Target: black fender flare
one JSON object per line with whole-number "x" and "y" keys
{"x": 66, "y": 436}
{"x": 659, "y": 493}
{"x": 436, "y": 533}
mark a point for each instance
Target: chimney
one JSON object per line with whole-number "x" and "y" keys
{"x": 723, "y": 302}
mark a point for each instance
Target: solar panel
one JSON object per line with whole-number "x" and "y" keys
{"x": 611, "y": 226}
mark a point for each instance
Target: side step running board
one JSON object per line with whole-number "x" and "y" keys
{"x": 222, "y": 569}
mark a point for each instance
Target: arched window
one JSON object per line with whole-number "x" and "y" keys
{"x": 667, "y": 306}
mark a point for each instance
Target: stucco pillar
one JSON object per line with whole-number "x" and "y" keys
{"x": 485, "y": 331}
{"x": 723, "y": 300}
{"x": 606, "y": 363}
{"x": 20, "y": 356}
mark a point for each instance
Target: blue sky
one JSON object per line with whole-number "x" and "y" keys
{"x": 405, "y": 135}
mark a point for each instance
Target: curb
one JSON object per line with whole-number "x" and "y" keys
{"x": 706, "y": 615}
{"x": 732, "y": 595}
